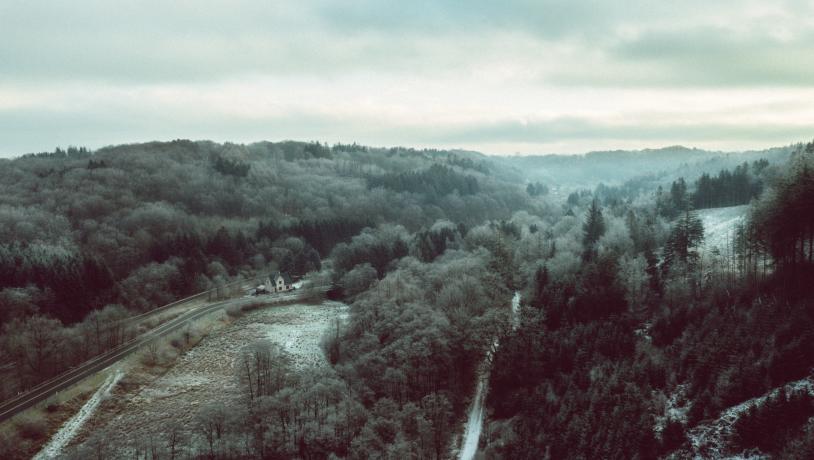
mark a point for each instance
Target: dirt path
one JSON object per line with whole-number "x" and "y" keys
{"x": 474, "y": 423}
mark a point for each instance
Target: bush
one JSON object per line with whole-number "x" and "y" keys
{"x": 32, "y": 427}
{"x": 6, "y": 446}
{"x": 673, "y": 436}
{"x": 234, "y": 311}
{"x": 52, "y": 407}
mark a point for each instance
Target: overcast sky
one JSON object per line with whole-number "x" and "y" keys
{"x": 535, "y": 76}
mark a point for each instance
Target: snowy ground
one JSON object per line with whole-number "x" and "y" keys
{"x": 207, "y": 373}
{"x": 676, "y": 407}
{"x": 474, "y": 423}
{"x": 299, "y": 330}
{"x": 719, "y": 226}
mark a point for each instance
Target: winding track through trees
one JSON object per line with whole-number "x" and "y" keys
{"x": 474, "y": 423}
{"x": 65, "y": 380}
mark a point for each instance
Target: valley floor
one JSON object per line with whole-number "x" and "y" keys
{"x": 207, "y": 374}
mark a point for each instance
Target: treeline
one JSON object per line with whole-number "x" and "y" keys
{"x": 321, "y": 234}
{"x": 70, "y": 152}
{"x": 67, "y": 284}
{"x": 733, "y": 188}
{"x": 729, "y": 188}
{"x": 40, "y": 347}
{"x": 759, "y": 427}
{"x": 467, "y": 163}
{"x": 782, "y": 224}
{"x": 619, "y": 166}
{"x": 434, "y": 182}
{"x": 415, "y": 343}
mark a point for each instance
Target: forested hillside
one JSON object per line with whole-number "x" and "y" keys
{"x": 604, "y": 354}
{"x": 618, "y": 166}
{"x": 95, "y": 236}
{"x": 621, "y": 311}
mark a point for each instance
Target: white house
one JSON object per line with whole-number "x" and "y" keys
{"x": 279, "y": 282}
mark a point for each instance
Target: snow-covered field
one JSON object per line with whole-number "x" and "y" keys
{"x": 719, "y": 226}
{"x": 299, "y": 330}
{"x": 207, "y": 373}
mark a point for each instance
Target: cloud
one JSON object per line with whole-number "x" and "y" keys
{"x": 521, "y": 74}
{"x": 194, "y": 41}
{"x": 223, "y": 113}
{"x": 568, "y": 128}
{"x": 704, "y": 57}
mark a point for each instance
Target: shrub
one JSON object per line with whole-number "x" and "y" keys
{"x": 52, "y": 407}
{"x": 234, "y": 311}
{"x": 32, "y": 426}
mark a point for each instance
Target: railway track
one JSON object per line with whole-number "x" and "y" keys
{"x": 51, "y": 387}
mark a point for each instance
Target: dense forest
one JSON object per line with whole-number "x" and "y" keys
{"x": 599, "y": 351}
{"x": 89, "y": 238}
{"x": 623, "y": 306}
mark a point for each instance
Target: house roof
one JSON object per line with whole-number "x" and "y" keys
{"x": 275, "y": 275}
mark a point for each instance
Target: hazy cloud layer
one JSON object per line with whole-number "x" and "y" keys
{"x": 527, "y": 76}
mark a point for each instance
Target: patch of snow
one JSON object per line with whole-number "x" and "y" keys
{"x": 515, "y": 310}
{"x": 299, "y": 329}
{"x": 67, "y": 432}
{"x": 719, "y": 226}
{"x": 644, "y": 331}
{"x": 676, "y": 408}
{"x": 474, "y": 424}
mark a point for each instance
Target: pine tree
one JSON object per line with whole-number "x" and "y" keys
{"x": 593, "y": 229}
{"x": 683, "y": 242}
{"x": 541, "y": 278}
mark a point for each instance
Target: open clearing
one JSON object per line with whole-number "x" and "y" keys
{"x": 206, "y": 373}
{"x": 719, "y": 226}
